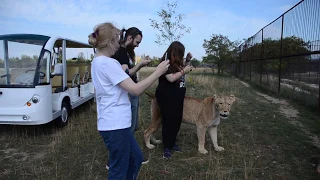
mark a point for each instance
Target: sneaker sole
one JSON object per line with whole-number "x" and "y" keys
{"x": 166, "y": 157}
{"x": 144, "y": 162}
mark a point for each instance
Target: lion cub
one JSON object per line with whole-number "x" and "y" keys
{"x": 204, "y": 113}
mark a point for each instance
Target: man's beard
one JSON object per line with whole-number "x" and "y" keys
{"x": 130, "y": 47}
{"x": 130, "y": 50}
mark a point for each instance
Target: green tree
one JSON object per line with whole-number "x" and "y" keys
{"x": 27, "y": 61}
{"x": 35, "y": 57}
{"x": 170, "y": 27}
{"x": 81, "y": 56}
{"x": 195, "y": 63}
{"x": 1, "y": 63}
{"x": 220, "y": 51}
{"x": 271, "y": 49}
{"x": 154, "y": 61}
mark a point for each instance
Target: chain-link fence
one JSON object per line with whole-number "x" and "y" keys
{"x": 284, "y": 56}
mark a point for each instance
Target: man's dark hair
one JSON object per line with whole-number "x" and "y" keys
{"x": 133, "y": 32}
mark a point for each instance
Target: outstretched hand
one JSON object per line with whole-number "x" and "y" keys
{"x": 162, "y": 67}
{"x": 189, "y": 57}
{"x": 187, "y": 69}
{"x": 145, "y": 61}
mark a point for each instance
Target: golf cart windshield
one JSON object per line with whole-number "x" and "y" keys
{"x": 19, "y": 59}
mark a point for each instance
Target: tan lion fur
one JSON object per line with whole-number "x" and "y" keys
{"x": 204, "y": 113}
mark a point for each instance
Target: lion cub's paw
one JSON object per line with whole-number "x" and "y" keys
{"x": 155, "y": 141}
{"x": 219, "y": 148}
{"x": 203, "y": 151}
{"x": 150, "y": 146}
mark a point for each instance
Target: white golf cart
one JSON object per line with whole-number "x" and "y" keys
{"x": 40, "y": 86}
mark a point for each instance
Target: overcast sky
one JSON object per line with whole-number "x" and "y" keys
{"x": 75, "y": 19}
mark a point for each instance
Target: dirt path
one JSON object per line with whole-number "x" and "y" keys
{"x": 290, "y": 113}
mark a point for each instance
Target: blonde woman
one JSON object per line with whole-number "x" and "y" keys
{"x": 112, "y": 86}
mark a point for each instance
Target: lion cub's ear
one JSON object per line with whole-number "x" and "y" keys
{"x": 215, "y": 96}
{"x": 208, "y": 100}
{"x": 232, "y": 97}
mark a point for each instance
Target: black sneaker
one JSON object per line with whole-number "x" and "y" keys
{"x": 166, "y": 153}
{"x": 176, "y": 148}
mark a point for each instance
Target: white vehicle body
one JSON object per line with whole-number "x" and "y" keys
{"x": 41, "y": 89}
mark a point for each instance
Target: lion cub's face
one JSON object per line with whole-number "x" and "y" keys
{"x": 223, "y": 104}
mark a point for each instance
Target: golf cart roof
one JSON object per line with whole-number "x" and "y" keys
{"x": 41, "y": 40}
{"x": 26, "y": 38}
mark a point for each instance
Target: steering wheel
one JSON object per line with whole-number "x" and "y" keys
{"x": 42, "y": 74}
{"x": 4, "y": 75}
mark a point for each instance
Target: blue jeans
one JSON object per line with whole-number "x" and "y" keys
{"x": 125, "y": 156}
{"x": 135, "y": 112}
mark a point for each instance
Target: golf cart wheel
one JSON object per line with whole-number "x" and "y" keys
{"x": 65, "y": 115}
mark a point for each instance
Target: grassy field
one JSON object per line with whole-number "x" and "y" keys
{"x": 261, "y": 141}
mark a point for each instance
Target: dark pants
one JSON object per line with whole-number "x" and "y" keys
{"x": 171, "y": 107}
{"x": 125, "y": 156}
{"x": 135, "y": 112}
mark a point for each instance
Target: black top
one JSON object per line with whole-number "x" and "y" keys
{"x": 180, "y": 83}
{"x": 170, "y": 98}
{"x": 123, "y": 57}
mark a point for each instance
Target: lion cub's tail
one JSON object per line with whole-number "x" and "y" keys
{"x": 150, "y": 94}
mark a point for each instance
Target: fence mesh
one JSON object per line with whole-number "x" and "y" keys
{"x": 284, "y": 56}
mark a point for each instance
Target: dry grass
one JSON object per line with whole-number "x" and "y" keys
{"x": 259, "y": 142}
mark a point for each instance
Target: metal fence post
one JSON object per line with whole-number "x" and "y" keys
{"x": 251, "y": 57}
{"x": 261, "y": 54}
{"x": 280, "y": 60}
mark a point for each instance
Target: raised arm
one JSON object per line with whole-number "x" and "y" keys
{"x": 137, "y": 88}
{"x": 188, "y": 59}
{"x": 137, "y": 67}
{"x": 175, "y": 76}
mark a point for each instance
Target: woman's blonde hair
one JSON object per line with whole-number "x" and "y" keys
{"x": 105, "y": 37}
